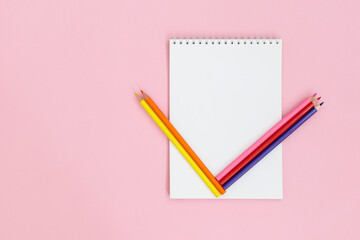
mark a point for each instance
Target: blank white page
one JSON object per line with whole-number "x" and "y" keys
{"x": 223, "y": 97}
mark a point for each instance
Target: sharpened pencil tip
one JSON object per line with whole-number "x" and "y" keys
{"x": 144, "y": 94}
{"x": 139, "y": 98}
{"x": 314, "y": 95}
{"x": 318, "y": 98}
{"x": 321, "y": 103}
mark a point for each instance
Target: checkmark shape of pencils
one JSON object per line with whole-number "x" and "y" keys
{"x": 256, "y": 152}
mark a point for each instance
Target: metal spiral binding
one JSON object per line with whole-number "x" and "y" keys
{"x": 226, "y": 41}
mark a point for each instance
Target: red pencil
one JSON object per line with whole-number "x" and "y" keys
{"x": 267, "y": 142}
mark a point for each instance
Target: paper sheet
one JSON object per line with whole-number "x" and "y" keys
{"x": 223, "y": 97}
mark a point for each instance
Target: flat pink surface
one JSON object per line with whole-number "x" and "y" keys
{"x": 73, "y": 137}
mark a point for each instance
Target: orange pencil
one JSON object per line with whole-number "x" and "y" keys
{"x": 183, "y": 143}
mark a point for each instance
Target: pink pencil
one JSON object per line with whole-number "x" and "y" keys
{"x": 264, "y": 137}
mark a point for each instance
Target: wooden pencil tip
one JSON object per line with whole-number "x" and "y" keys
{"x": 321, "y": 103}
{"x": 318, "y": 98}
{"x": 139, "y": 98}
{"x": 314, "y": 95}
{"x": 144, "y": 94}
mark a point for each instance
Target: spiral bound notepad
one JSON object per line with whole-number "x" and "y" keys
{"x": 224, "y": 95}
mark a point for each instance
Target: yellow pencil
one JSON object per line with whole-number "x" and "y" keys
{"x": 178, "y": 145}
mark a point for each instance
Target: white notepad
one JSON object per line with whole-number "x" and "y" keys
{"x": 224, "y": 95}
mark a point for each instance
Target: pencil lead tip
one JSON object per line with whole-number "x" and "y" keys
{"x": 314, "y": 95}
{"x": 321, "y": 103}
{"x": 136, "y": 94}
{"x": 318, "y": 98}
{"x": 142, "y": 91}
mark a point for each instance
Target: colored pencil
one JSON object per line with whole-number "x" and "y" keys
{"x": 264, "y": 137}
{"x": 182, "y": 141}
{"x": 272, "y": 146}
{"x": 284, "y": 126}
{"x": 178, "y": 145}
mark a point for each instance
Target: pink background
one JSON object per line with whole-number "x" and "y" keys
{"x": 79, "y": 158}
